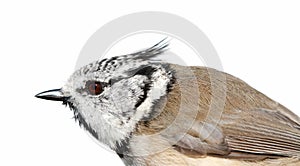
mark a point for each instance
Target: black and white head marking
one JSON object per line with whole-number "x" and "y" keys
{"x": 110, "y": 96}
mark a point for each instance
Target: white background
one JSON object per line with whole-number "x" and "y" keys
{"x": 257, "y": 41}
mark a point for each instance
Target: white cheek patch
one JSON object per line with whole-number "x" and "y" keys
{"x": 160, "y": 81}
{"x": 123, "y": 96}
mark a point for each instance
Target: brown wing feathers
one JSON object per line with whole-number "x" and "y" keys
{"x": 264, "y": 132}
{"x": 252, "y": 125}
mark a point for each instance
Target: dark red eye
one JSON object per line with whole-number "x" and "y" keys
{"x": 94, "y": 87}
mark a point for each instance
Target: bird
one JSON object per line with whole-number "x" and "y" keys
{"x": 155, "y": 113}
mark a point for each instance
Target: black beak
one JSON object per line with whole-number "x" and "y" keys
{"x": 54, "y": 94}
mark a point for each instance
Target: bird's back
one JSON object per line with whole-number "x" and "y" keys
{"x": 234, "y": 125}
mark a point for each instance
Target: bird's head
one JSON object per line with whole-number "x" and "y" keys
{"x": 110, "y": 96}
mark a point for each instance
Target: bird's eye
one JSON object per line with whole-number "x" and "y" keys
{"x": 94, "y": 87}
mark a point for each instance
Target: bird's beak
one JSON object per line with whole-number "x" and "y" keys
{"x": 54, "y": 94}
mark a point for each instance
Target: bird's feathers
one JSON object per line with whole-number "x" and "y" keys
{"x": 262, "y": 132}
{"x": 221, "y": 116}
{"x": 251, "y": 126}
